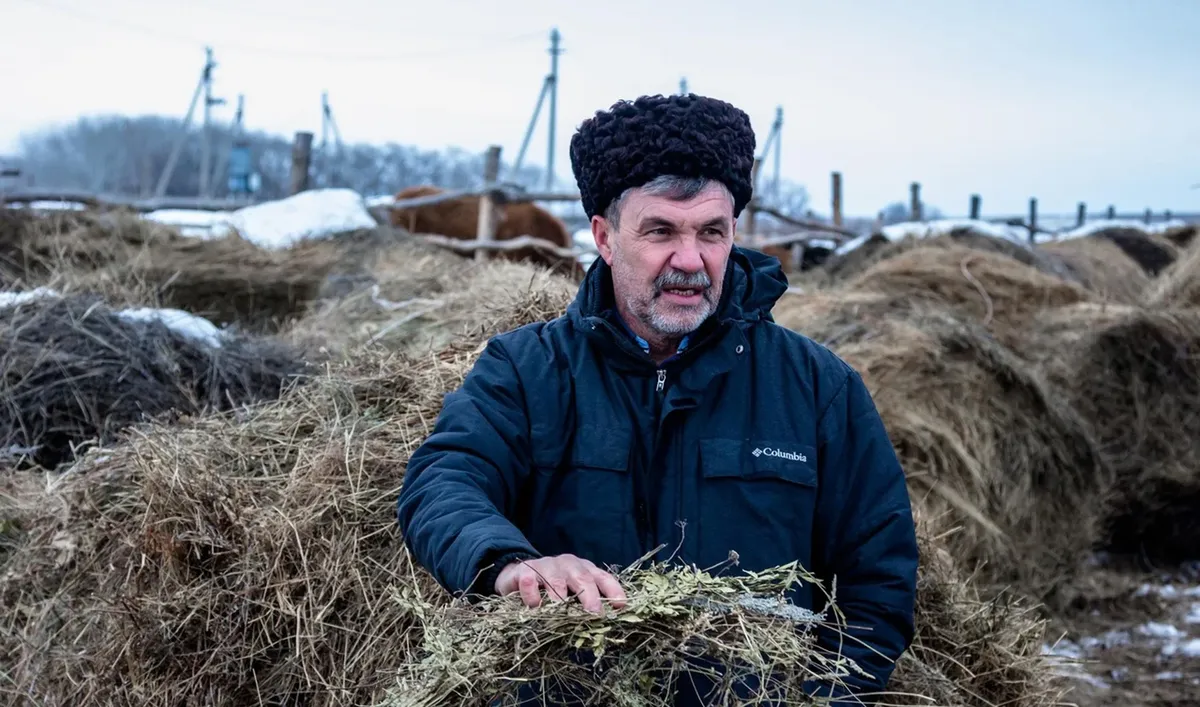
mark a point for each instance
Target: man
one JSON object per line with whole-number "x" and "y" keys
{"x": 667, "y": 408}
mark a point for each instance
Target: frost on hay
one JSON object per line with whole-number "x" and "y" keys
{"x": 76, "y": 372}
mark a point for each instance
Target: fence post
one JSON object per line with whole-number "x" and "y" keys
{"x": 1112, "y": 212}
{"x": 301, "y": 157}
{"x": 486, "y": 230}
{"x": 1167, "y": 215}
{"x": 1149, "y": 216}
{"x": 976, "y": 201}
{"x": 1032, "y": 220}
{"x": 915, "y": 190}
{"x": 837, "y": 198}
{"x": 1081, "y": 215}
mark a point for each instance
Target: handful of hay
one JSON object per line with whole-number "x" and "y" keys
{"x": 733, "y": 638}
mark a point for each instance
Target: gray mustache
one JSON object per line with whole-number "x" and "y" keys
{"x": 677, "y": 278}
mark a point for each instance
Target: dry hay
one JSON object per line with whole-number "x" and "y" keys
{"x": 1179, "y": 285}
{"x": 991, "y": 288}
{"x": 968, "y": 651}
{"x": 459, "y": 218}
{"x": 1152, "y": 252}
{"x": 255, "y": 559}
{"x": 988, "y": 443}
{"x": 1182, "y": 235}
{"x": 75, "y": 371}
{"x": 1135, "y": 377}
{"x": 1102, "y": 267}
{"x": 418, "y": 298}
{"x": 879, "y": 248}
{"x": 130, "y": 260}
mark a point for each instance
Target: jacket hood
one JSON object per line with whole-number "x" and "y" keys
{"x": 754, "y": 281}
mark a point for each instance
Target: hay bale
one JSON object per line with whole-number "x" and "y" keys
{"x": 76, "y": 371}
{"x": 878, "y": 248}
{"x": 989, "y": 444}
{"x": 1151, "y": 251}
{"x": 418, "y": 298}
{"x": 1178, "y": 286}
{"x": 1102, "y": 267}
{"x": 1182, "y": 234}
{"x": 994, "y": 289}
{"x": 968, "y": 651}
{"x": 1136, "y": 380}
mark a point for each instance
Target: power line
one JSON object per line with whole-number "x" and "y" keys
{"x": 481, "y": 47}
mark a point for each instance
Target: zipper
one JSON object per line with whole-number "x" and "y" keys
{"x": 662, "y": 379}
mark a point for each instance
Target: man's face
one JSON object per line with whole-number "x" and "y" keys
{"x": 668, "y": 259}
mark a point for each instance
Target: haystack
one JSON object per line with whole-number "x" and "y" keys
{"x": 879, "y": 248}
{"x": 986, "y": 443}
{"x": 993, "y": 289}
{"x": 418, "y": 298}
{"x": 76, "y": 371}
{"x": 1102, "y": 267}
{"x": 1178, "y": 286}
{"x": 1135, "y": 378}
{"x": 129, "y": 260}
{"x": 1151, "y": 251}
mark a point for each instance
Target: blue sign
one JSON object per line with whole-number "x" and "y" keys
{"x": 239, "y": 169}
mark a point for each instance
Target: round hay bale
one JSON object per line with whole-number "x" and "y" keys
{"x": 994, "y": 289}
{"x": 879, "y": 248}
{"x": 1152, "y": 252}
{"x": 76, "y": 372}
{"x": 1182, "y": 235}
{"x": 1102, "y": 267}
{"x": 1136, "y": 380}
{"x": 989, "y": 443}
{"x": 1179, "y": 286}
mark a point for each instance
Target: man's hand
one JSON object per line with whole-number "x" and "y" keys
{"x": 559, "y": 574}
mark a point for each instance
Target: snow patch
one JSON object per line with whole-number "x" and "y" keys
{"x": 16, "y": 299}
{"x": 1157, "y": 630}
{"x": 183, "y": 323}
{"x": 194, "y": 223}
{"x": 1185, "y": 649}
{"x": 1193, "y": 616}
{"x": 1148, "y": 228}
{"x": 931, "y": 229}
{"x": 1168, "y": 591}
{"x": 316, "y": 213}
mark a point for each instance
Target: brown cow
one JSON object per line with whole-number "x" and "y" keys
{"x": 459, "y": 219}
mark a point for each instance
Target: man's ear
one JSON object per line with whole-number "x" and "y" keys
{"x": 603, "y": 237}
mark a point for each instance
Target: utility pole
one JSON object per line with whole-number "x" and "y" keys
{"x": 235, "y": 132}
{"x": 683, "y": 86}
{"x": 209, "y": 102}
{"x": 555, "y": 50}
{"x": 161, "y": 189}
{"x": 328, "y": 124}
{"x": 778, "y": 149}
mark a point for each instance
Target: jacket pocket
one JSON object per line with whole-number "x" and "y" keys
{"x": 583, "y": 503}
{"x": 757, "y": 498}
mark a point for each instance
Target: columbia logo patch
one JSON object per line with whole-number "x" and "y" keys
{"x": 779, "y": 453}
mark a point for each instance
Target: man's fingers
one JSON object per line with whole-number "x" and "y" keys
{"x": 530, "y": 586}
{"x": 610, "y": 588}
{"x": 584, "y": 585}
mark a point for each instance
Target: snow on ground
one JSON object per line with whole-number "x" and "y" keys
{"x": 16, "y": 299}
{"x": 193, "y": 223}
{"x": 316, "y": 213}
{"x": 48, "y": 206}
{"x": 184, "y": 323}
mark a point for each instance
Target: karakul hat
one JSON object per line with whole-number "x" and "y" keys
{"x": 635, "y": 141}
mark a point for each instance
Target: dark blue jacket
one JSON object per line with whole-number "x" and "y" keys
{"x": 566, "y": 437}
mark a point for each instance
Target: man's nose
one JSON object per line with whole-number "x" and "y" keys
{"x": 687, "y": 256}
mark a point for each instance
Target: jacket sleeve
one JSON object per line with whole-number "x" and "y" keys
{"x": 865, "y": 538}
{"x": 462, "y": 481}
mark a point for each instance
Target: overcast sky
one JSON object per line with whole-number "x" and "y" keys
{"x": 1065, "y": 100}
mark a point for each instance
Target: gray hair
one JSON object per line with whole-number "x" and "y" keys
{"x": 671, "y": 186}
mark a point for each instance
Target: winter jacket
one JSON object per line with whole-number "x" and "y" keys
{"x": 566, "y": 437}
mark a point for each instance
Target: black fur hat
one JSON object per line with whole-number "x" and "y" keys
{"x": 635, "y": 141}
